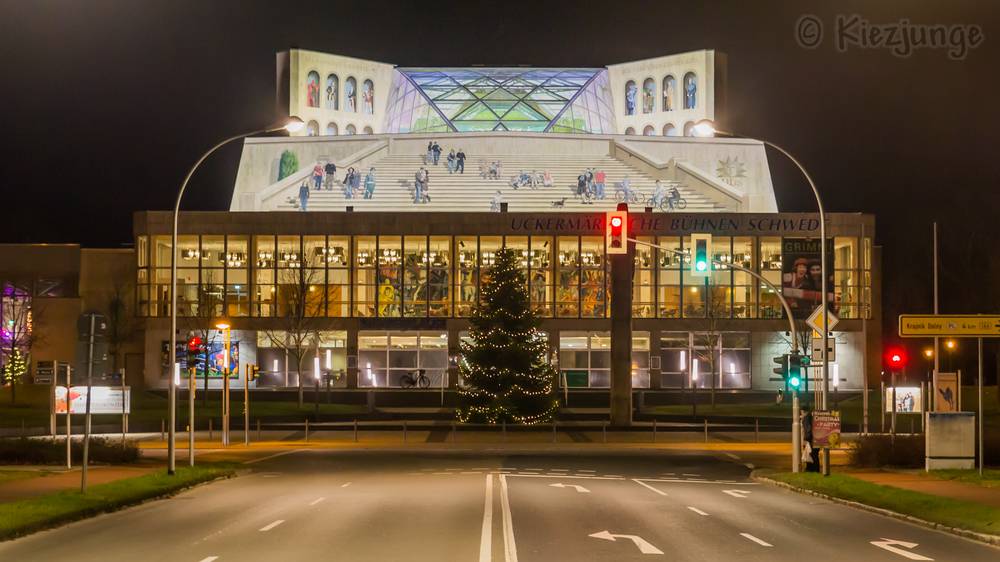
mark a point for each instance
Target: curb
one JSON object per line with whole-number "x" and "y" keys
{"x": 993, "y": 540}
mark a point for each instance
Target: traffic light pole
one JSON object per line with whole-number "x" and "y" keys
{"x": 796, "y": 433}
{"x": 246, "y": 405}
{"x": 191, "y": 387}
{"x": 621, "y": 343}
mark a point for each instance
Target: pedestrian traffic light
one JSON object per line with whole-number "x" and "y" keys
{"x": 701, "y": 263}
{"x": 616, "y": 232}
{"x": 896, "y": 358}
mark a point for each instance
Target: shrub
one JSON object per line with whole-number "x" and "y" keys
{"x": 53, "y": 451}
{"x": 288, "y": 165}
{"x": 873, "y": 451}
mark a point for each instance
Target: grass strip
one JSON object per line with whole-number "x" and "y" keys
{"x": 949, "y": 512}
{"x": 989, "y": 479}
{"x": 27, "y": 516}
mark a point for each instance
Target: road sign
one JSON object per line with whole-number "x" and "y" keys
{"x": 817, "y": 349}
{"x": 642, "y": 544}
{"x": 815, "y": 320}
{"x": 944, "y": 325}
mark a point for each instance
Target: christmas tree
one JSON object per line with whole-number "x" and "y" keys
{"x": 505, "y": 369}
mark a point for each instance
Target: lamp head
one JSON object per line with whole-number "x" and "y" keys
{"x": 704, "y": 128}
{"x": 294, "y": 124}
{"x": 222, "y": 325}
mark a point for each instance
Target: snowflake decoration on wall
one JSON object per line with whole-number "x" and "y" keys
{"x": 732, "y": 171}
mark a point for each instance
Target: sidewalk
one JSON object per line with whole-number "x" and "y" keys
{"x": 930, "y": 485}
{"x": 58, "y": 479}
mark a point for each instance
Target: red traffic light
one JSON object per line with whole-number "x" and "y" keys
{"x": 616, "y": 222}
{"x": 896, "y": 358}
{"x": 194, "y": 343}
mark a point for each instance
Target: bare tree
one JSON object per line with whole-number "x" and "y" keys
{"x": 19, "y": 315}
{"x": 122, "y": 322}
{"x": 200, "y": 321}
{"x": 299, "y": 306}
{"x": 707, "y": 341}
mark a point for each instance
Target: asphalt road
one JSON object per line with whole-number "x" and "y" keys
{"x": 386, "y": 506}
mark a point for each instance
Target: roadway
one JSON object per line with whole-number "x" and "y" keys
{"x": 492, "y": 506}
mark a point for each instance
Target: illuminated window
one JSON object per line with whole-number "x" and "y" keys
{"x": 332, "y": 92}
{"x": 648, "y": 95}
{"x": 312, "y": 89}
{"x": 669, "y": 92}
{"x": 351, "y": 93}
{"x": 690, "y": 92}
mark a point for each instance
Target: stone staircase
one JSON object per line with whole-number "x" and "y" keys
{"x": 472, "y": 192}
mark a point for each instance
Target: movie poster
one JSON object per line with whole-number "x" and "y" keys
{"x": 802, "y": 275}
{"x": 216, "y": 359}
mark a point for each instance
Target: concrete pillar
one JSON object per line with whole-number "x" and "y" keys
{"x": 622, "y": 266}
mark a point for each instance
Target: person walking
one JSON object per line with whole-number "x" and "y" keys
{"x": 426, "y": 184}
{"x": 460, "y": 161}
{"x": 600, "y": 178}
{"x": 356, "y": 181}
{"x": 370, "y": 183}
{"x": 451, "y": 161}
{"x": 303, "y": 196}
{"x": 495, "y": 202}
{"x": 436, "y": 151}
{"x": 317, "y": 176}
{"x": 331, "y": 174}
{"x": 418, "y": 186}
{"x": 429, "y": 156}
{"x": 349, "y": 183}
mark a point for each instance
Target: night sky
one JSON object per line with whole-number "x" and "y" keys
{"x": 107, "y": 103}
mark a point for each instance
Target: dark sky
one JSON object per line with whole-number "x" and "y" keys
{"x": 106, "y": 104}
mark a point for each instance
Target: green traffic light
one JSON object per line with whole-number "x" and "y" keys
{"x": 794, "y": 381}
{"x": 701, "y": 265}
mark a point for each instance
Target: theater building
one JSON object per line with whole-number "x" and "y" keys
{"x": 370, "y": 287}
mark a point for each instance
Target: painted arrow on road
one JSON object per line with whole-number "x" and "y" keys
{"x": 737, "y": 493}
{"x": 891, "y": 544}
{"x": 579, "y": 489}
{"x": 641, "y": 543}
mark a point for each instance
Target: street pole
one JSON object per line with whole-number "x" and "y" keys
{"x": 69, "y": 418}
{"x": 796, "y": 433}
{"x": 225, "y": 389}
{"x": 86, "y": 423}
{"x": 982, "y": 452}
{"x": 292, "y": 126}
{"x": 621, "y": 326}
{"x": 191, "y": 386}
{"x": 246, "y": 405}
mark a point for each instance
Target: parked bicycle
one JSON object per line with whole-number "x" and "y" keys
{"x": 632, "y": 197}
{"x": 415, "y": 379}
{"x": 667, "y": 204}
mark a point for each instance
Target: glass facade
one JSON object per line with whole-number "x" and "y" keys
{"x": 395, "y": 276}
{"x": 385, "y": 357}
{"x": 424, "y": 100}
{"x": 705, "y": 360}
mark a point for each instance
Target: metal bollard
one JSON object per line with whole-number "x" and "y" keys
{"x": 258, "y": 429}
{"x": 553, "y": 432}
{"x": 24, "y": 430}
{"x": 355, "y": 431}
{"x": 756, "y": 430}
{"x": 454, "y": 430}
{"x": 163, "y": 429}
{"x": 307, "y": 430}
{"x": 706, "y": 429}
{"x": 654, "y": 430}
{"x": 404, "y": 431}
{"x": 504, "y": 429}
{"x": 604, "y": 432}
{"x": 209, "y": 429}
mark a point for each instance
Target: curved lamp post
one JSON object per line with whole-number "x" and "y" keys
{"x": 706, "y": 128}
{"x": 294, "y": 124}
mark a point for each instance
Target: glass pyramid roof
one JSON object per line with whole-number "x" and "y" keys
{"x": 499, "y": 99}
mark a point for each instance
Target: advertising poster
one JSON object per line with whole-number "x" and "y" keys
{"x": 826, "y": 428}
{"x": 802, "y": 274}
{"x": 907, "y": 400}
{"x": 945, "y": 397}
{"x": 103, "y": 400}
{"x": 214, "y": 363}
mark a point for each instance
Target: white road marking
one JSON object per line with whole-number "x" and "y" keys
{"x": 558, "y": 470}
{"x": 737, "y": 493}
{"x": 686, "y": 474}
{"x": 681, "y": 481}
{"x": 891, "y": 544}
{"x": 345, "y": 485}
{"x": 486, "y": 538}
{"x": 509, "y": 546}
{"x": 643, "y": 484}
{"x": 641, "y": 543}
{"x": 539, "y": 469}
{"x": 270, "y": 526}
{"x": 732, "y": 456}
{"x": 441, "y": 473}
{"x": 316, "y": 501}
{"x": 755, "y": 539}
{"x": 271, "y": 475}
{"x": 614, "y": 476}
{"x": 209, "y": 558}
{"x": 579, "y": 489}
{"x": 578, "y": 476}
{"x": 696, "y": 510}
{"x": 281, "y": 454}
{"x": 470, "y": 472}
{"x": 749, "y": 465}
{"x": 585, "y": 470}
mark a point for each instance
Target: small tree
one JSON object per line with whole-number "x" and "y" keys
{"x": 122, "y": 323}
{"x": 201, "y": 320}
{"x": 17, "y": 334}
{"x": 707, "y": 341}
{"x": 300, "y": 306}
{"x": 287, "y": 165}
{"x": 505, "y": 367}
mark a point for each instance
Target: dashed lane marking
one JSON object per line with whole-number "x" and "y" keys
{"x": 345, "y": 485}
{"x": 750, "y": 537}
{"x": 281, "y": 454}
{"x": 732, "y": 456}
{"x": 644, "y": 485}
{"x": 209, "y": 558}
{"x": 696, "y": 510}
{"x": 270, "y": 526}
{"x": 316, "y": 501}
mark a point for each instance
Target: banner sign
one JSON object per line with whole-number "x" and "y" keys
{"x": 945, "y": 392}
{"x": 826, "y": 428}
{"x": 907, "y": 400}
{"x": 802, "y": 274}
{"x": 103, "y": 400}
{"x": 214, "y": 362}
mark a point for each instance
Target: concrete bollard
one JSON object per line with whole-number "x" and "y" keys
{"x": 706, "y": 429}
{"x": 307, "y": 430}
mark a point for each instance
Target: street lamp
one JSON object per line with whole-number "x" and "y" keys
{"x": 225, "y": 328}
{"x": 705, "y": 128}
{"x": 951, "y": 346}
{"x": 292, "y": 125}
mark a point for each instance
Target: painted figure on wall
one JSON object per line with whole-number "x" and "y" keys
{"x": 690, "y": 91}
{"x": 648, "y": 95}
{"x": 630, "y": 94}
{"x": 351, "y": 93}
{"x": 332, "y": 91}
{"x": 312, "y": 89}
{"x": 669, "y": 84}
{"x": 312, "y": 129}
{"x": 368, "y": 97}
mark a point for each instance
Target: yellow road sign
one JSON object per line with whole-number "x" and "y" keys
{"x": 954, "y": 325}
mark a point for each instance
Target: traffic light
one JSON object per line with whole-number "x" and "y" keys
{"x": 616, "y": 232}
{"x": 896, "y": 358}
{"x": 782, "y": 369}
{"x": 701, "y": 263}
{"x": 194, "y": 344}
{"x": 790, "y": 370}
{"x": 254, "y": 371}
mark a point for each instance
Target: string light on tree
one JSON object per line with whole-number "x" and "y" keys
{"x": 504, "y": 366}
